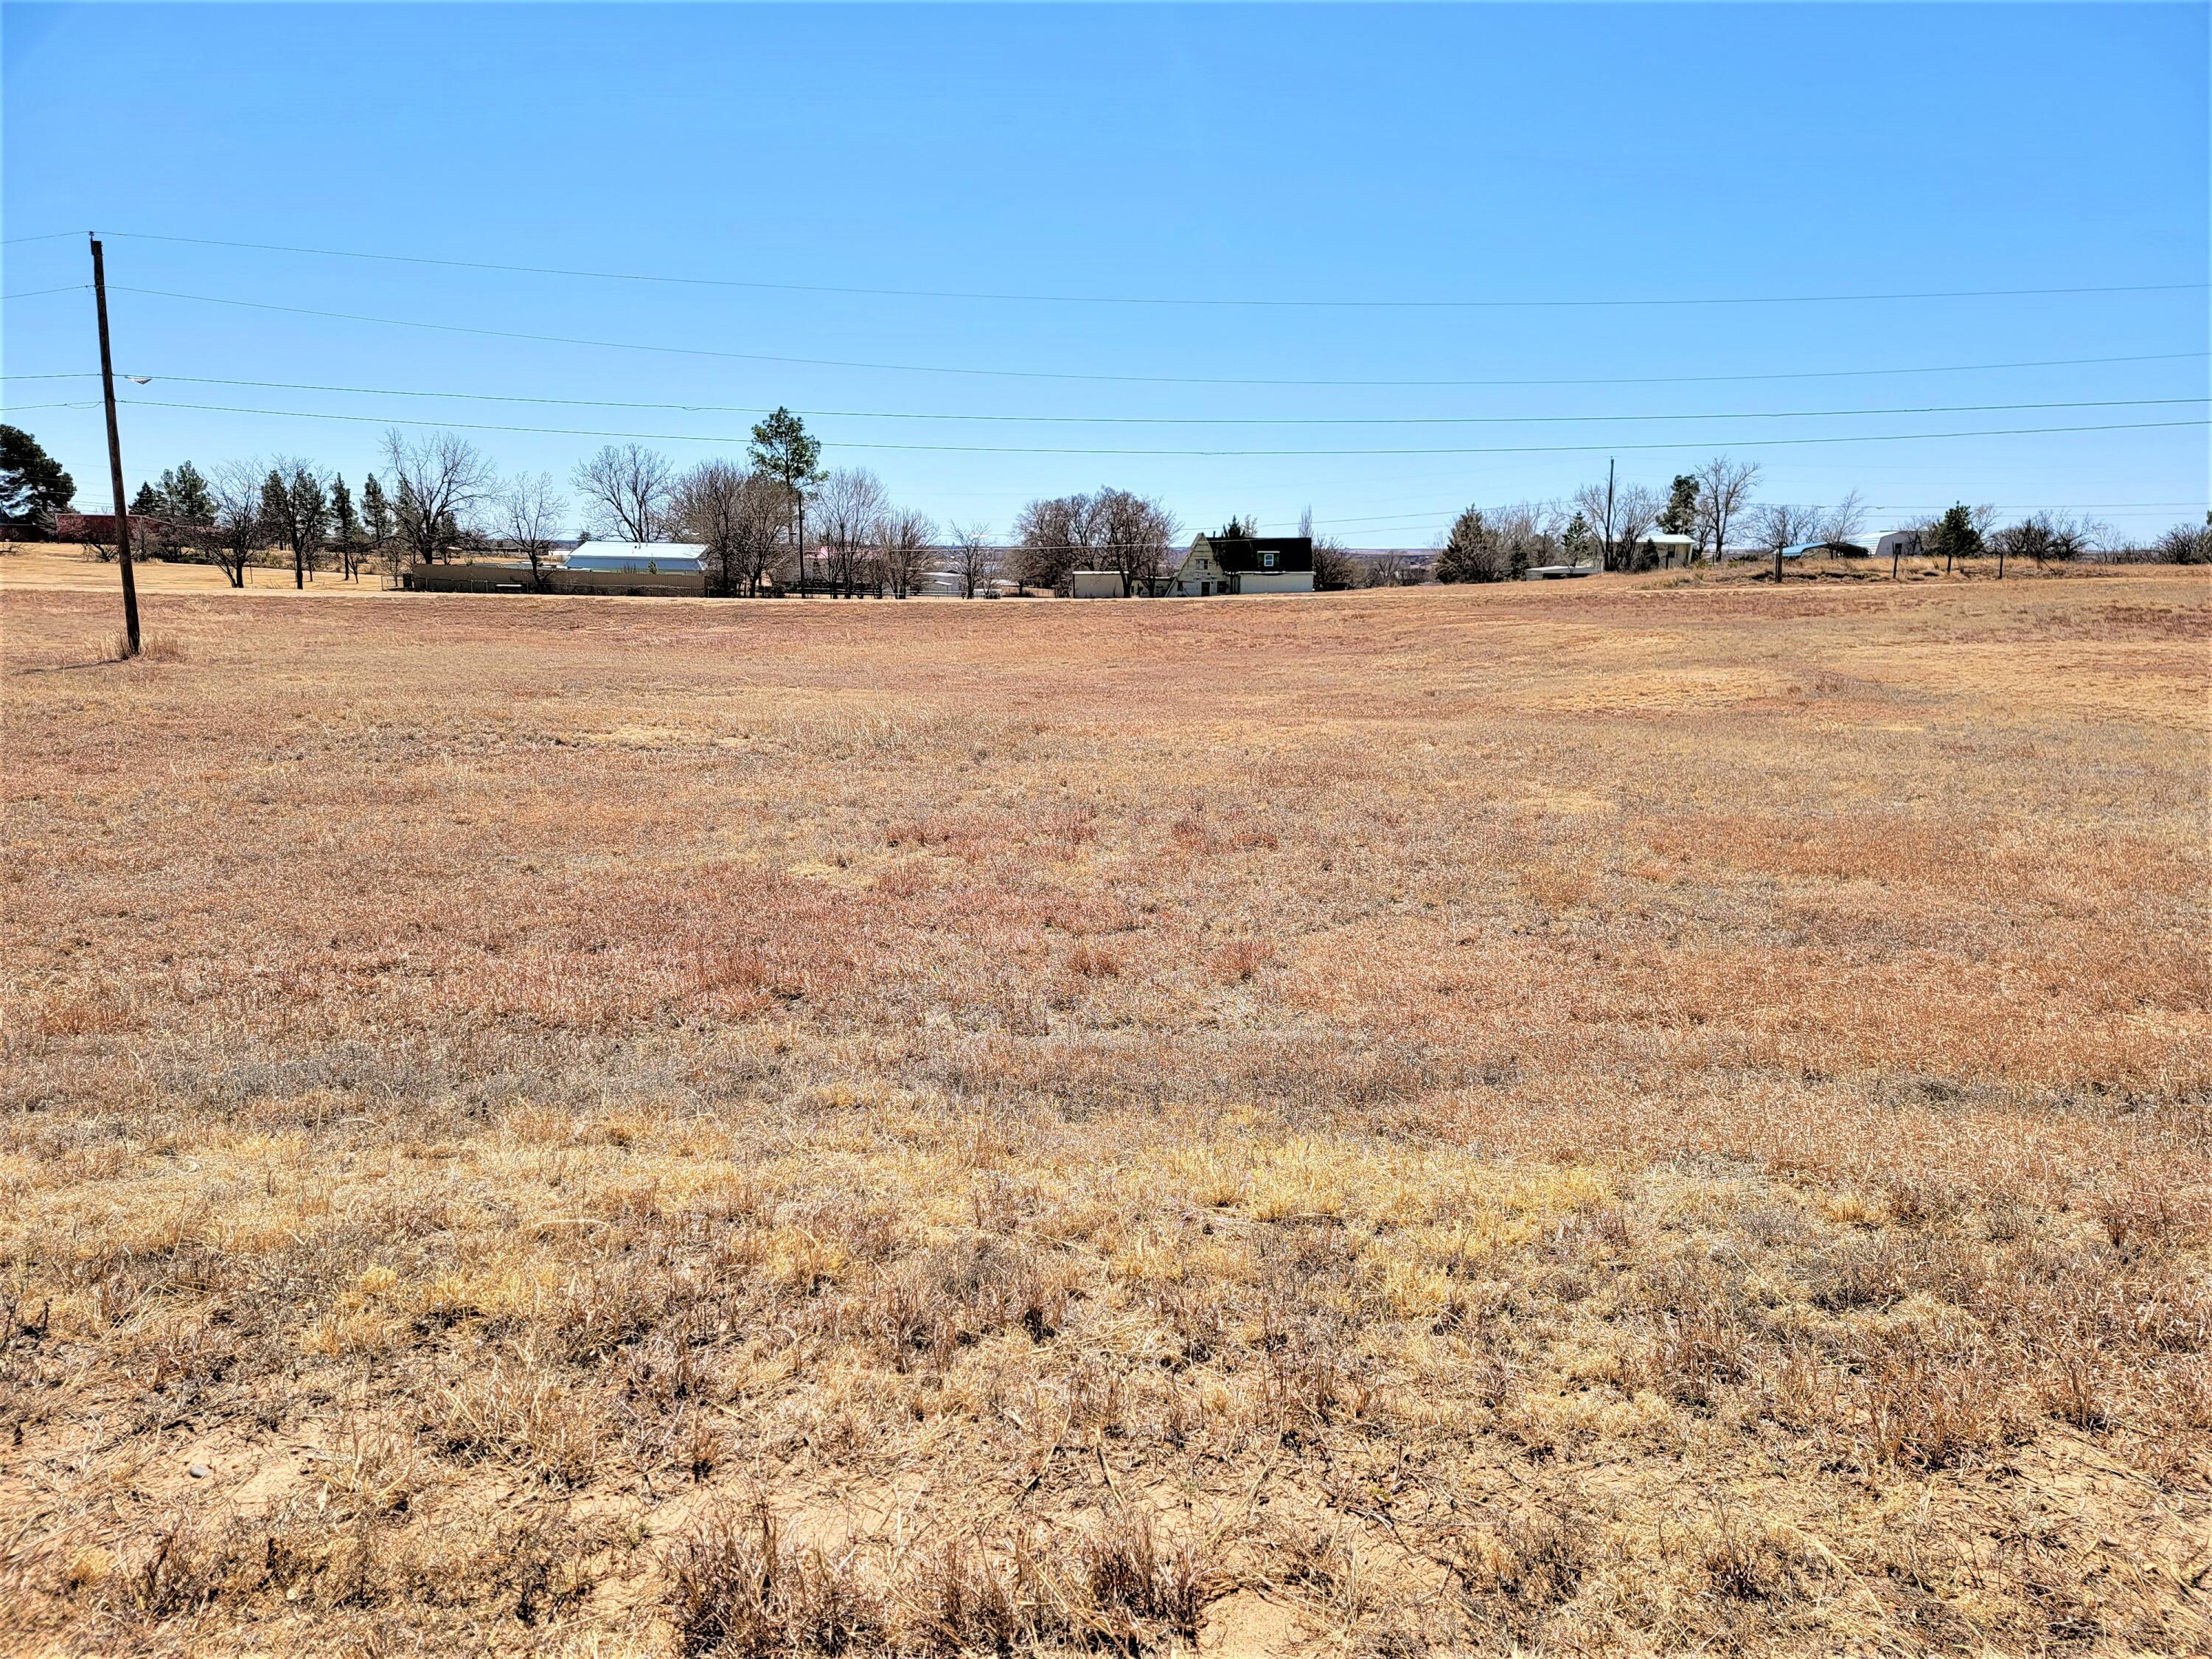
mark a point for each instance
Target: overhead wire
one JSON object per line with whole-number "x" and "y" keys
{"x": 997, "y": 373}
{"x": 991, "y": 449}
{"x": 1554, "y": 381}
{"x": 1154, "y": 300}
{"x": 1162, "y": 420}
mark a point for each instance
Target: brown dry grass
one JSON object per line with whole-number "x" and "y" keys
{"x": 64, "y": 566}
{"x": 1624, "y": 1117}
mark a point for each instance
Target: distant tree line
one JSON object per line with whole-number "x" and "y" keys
{"x": 778, "y": 519}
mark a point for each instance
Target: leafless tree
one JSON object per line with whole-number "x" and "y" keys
{"x": 529, "y": 513}
{"x": 1528, "y": 531}
{"x": 909, "y": 540}
{"x": 235, "y": 530}
{"x": 974, "y": 560}
{"x": 1052, "y": 537}
{"x": 742, "y": 516}
{"x": 1636, "y": 508}
{"x": 627, "y": 488}
{"x": 1334, "y": 567}
{"x": 2185, "y": 544}
{"x": 1131, "y": 537}
{"x": 1724, "y": 489}
{"x": 1777, "y": 525}
{"x": 1619, "y": 515}
{"x": 849, "y": 508}
{"x": 2049, "y": 537}
{"x": 437, "y": 482}
{"x": 1387, "y": 568}
{"x": 1844, "y": 519}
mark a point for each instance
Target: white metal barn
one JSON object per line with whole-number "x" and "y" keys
{"x": 1888, "y": 543}
{"x": 664, "y": 558}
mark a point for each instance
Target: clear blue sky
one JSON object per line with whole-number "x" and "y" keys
{"x": 1568, "y": 153}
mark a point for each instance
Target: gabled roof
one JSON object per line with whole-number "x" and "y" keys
{"x": 1236, "y": 554}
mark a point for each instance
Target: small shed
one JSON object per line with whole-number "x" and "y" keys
{"x": 1097, "y": 585}
{"x": 1667, "y": 546}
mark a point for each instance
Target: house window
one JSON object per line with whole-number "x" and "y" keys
{"x": 1267, "y": 561}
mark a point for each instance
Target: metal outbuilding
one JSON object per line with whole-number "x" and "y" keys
{"x": 660, "y": 558}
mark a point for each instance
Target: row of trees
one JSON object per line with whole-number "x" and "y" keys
{"x": 439, "y": 494}
{"x": 240, "y": 512}
{"x": 1610, "y": 524}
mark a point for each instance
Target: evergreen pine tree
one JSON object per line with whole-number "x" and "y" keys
{"x": 345, "y": 527}
{"x": 1954, "y": 536}
{"x": 782, "y": 448}
{"x": 188, "y": 495}
{"x": 1471, "y": 553}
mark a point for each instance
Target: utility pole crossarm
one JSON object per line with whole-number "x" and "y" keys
{"x": 115, "y": 455}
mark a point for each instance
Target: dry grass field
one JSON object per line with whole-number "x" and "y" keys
{"x": 1631, "y": 1116}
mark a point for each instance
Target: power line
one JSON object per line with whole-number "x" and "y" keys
{"x": 1414, "y": 518}
{"x": 1168, "y": 420}
{"x": 1155, "y": 299}
{"x": 990, "y": 449}
{"x": 34, "y": 293}
{"x": 44, "y": 236}
{"x": 1050, "y": 374}
{"x": 1412, "y": 513}
{"x": 1613, "y": 379}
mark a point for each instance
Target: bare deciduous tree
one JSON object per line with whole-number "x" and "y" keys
{"x": 1619, "y": 515}
{"x": 1723, "y": 492}
{"x": 530, "y": 510}
{"x": 1387, "y": 568}
{"x": 2185, "y": 544}
{"x": 976, "y": 561}
{"x": 1131, "y": 536}
{"x": 1636, "y": 508}
{"x": 234, "y": 534}
{"x": 627, "y": 488}
{"x": 1845, "y": 519}
{"x": 2049, "y": 537}
{"x": 909, "y": 549}
{"x": 849, "y": 508}
{"x": 437, "y": 481}
{"x": 1335, "y": 569}
{"x": 1052, "y": 537}
{"x": 1777, "y": 525}
{"x": 740, "y": 515}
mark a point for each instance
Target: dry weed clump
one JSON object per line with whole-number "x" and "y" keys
{"x": 739, "y": 1585}
{"x": 1656, "y": 1118}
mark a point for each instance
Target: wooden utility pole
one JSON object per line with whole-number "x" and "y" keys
{"x": 1607, "y": 561}
{"x": 115, "y": 457}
